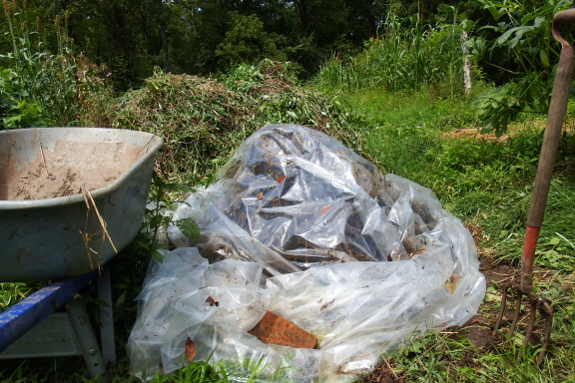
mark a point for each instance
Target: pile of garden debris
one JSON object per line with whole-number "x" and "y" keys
{"x": 202, "y": 120}
{"x": 299, "y": 227}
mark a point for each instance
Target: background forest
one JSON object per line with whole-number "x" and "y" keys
{"x": 452, "y": 95}
{"x": 205, "y": 37}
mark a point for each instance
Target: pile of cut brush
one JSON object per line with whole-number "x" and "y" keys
{"x": 203, "y": 120}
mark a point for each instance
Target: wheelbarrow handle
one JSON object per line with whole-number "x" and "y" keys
{"x": 555, "y": 117}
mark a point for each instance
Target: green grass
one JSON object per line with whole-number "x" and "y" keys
{"x": 452, "y": 357}
{"x": 486, "y": 183}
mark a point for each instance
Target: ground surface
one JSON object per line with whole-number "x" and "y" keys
{"x": 479, "y": 330}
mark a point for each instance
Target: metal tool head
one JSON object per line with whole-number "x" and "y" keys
{"x": 537, "y": 303}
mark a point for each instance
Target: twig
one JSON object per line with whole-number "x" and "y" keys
{"x": 88, "y": 198}
{"x": 145, "y": 147}
{"x": 44, "y": 159}
{"x": 505, "y": 279}
{"x": 568, "y": 241}
{"x": 390, "y": 369}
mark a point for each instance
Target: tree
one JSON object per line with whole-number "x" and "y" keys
{"x": 246, "y": 41}
{"x": 522, "y": 33}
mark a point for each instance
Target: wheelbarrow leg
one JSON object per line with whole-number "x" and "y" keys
{"x": 103, "y": 284}
{"x": 87, "y": 340}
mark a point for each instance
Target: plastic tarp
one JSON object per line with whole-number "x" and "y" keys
{"x": 299, "y": 225}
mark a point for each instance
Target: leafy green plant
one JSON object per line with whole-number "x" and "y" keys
{"x": 17, "y": 108}
{"x": 523, "y": 31}
{"x": 247, "y": 42}
{"x": 43, "y": 88}
{"x": 407, "y": 55}
{"x": 552, "y": 254}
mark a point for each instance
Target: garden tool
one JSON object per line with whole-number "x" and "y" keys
{"x": 557, "y": 109}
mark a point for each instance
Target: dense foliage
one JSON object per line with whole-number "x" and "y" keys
{"x": 392, "y": 45}
{"x": 406, "y": 55}
{"x": 199, "y": 37}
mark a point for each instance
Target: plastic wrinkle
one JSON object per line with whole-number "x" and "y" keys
{"x": 299, "y": 225}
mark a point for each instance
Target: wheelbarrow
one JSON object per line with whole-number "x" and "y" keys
{"x": 555, "y": 117}
{"x": 62, "y": 190}
{"x": 70, "y": 199}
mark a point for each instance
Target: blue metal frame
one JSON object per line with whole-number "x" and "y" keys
{"x": 23, "y": 316}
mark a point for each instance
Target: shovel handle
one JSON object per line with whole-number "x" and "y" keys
{"x": 564, "y": 17}
{"x": 557, "y": 109}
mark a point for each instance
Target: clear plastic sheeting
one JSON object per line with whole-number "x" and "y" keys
{"x": 299, "y": 225}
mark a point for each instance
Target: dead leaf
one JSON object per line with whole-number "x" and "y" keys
{"x": 212, "y": 302}
{"x": 190, "y": 350}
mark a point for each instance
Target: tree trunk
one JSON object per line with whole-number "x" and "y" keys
{"x": 164, "y": 33}
{"x": 466, "y": 65}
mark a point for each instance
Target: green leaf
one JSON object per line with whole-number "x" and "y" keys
{"x": 544, "y": 58}
{"x": 493, "y": 9}
{"x": 101, "y": 302}
{"x": 156, "y": 220}
{"x": 121, "y": 299}
{"x": 157, "y": 256}
{"x": 189, "y": 228}
{"x": 466, "y": 25}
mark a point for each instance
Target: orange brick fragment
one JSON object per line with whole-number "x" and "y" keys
{"x": 273, "y": 329}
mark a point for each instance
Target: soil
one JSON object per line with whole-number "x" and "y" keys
{"x": 476, "y": 134}
{"x": 385, "y": 374}
{"x": 65, "y": 169}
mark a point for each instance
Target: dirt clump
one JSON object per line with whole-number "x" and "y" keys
{"x": 479, "y": 330}
{"x": 385, "y": 374}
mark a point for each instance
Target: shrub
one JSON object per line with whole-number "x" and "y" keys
{"x": 407, "y": 55}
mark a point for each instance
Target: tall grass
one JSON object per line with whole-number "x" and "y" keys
{"x": 40, "y": 87}
{"x": 407, "y": 55}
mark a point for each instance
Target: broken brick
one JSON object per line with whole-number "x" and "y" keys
{"x": 273, "y": 329}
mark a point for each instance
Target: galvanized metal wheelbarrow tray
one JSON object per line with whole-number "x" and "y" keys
{"x": 54, "y": 238}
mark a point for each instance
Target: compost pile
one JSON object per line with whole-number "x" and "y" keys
{"x": 301, "y": 226}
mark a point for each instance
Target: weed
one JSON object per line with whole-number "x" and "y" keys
{"x": 407, "y": 55}
{"x": 13, "y": 292}
{"x": 42, "y": 88}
